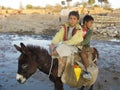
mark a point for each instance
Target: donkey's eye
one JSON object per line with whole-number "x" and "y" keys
{"x": 24, "y": 66}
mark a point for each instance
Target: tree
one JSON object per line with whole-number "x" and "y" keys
{"x": 63, "y": 3}
{"x": 29, "y": 6}
{"x": 96, "y": 5}
{"x": 91, "y": 2}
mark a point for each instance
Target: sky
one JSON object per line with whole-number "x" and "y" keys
{"x": 43, "y": 3}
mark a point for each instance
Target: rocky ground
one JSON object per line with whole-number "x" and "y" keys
{"x": 105, "y": 27}
{"x": 28, "y": 24}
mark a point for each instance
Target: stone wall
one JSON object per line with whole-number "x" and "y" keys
{"x": 107, "y": 26}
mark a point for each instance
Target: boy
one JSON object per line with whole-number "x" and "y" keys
{"x": 87, "y": 34}
{"x": 69, "y": 35}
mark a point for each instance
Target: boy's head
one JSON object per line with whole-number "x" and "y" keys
{"x": 88, "y": 21}
{"x": 73, "y": 18}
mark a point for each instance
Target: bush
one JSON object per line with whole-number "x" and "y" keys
{"x": 96, "y": 5}
{"x": 29, "y": 6}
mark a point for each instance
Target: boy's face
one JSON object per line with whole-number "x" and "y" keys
{"x": 73, "y": 20}
{"x": 89, "y": 24}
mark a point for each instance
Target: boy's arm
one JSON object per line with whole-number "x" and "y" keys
{"x": 77, "y": 38}
{"x": 87, "y": 38}
{"x": 58, "y": 37}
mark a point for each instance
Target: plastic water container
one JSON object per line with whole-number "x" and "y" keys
{"x": 77, "y": 71}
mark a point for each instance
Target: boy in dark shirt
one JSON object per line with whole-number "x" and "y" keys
{"x": 87, "y": 34}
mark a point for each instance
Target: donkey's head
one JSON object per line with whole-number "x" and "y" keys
{"x": 26, "y": 63}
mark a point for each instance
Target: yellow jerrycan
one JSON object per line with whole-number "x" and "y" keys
{"x": 77, "y": 71}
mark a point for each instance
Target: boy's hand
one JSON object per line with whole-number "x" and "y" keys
{"x": 52, "y": 50}
{"x": 52, "y": 46}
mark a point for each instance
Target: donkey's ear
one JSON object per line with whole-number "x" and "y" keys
{"x": 24, "y": 49}
{"x": 22, "y": 45}
{"x": 18, "y": 48}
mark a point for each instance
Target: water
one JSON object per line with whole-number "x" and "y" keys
{"x": 108, "y": 63}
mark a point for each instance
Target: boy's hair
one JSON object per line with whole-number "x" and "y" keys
{"x": 74, "y": 13}
{"x": 87, "y": 18}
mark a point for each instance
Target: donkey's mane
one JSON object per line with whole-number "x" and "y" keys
{"x": 43, "y": 57}
{"x": 37, "y": 49}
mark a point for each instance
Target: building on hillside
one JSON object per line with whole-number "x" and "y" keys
{"x": 65, "y": 12}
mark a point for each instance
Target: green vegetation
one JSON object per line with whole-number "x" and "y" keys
{"x": 91, "y": 2}
{"x": 96, "y": 5}
{"x": 63, "y": 3}
{"x": 29, "y": 6}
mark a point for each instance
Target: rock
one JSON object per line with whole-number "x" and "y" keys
{"x": 0, "y": 85}
{"x": 115, "y": 32}
{"x": 112, "y": 24}
{"x": 118, "y": 36}
{"x": 12, "y": 85}
{"x": 0, "y": 26}
{"x": 94, "y": 28}
{"x": 3, "y": 71}
{"x": 115, "y": 78}
{"x": 118, "y": 31}
{"x": 105, "y": 81}
{"x": 6, "y": 80}
{"x": 98, "y": 30}
{"x": 103, "y": 31}
{"x": 105, "y": 34}
{"x": 111, "y": 33}
{"x": 114, "y": 27}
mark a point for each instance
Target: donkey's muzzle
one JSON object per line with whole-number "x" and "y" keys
{"x": 20, "y": 78}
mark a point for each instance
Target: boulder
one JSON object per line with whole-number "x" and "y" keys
{"x": 103, "y": 31}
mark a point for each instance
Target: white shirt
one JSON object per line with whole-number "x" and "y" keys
{"x": 70, "y": 32}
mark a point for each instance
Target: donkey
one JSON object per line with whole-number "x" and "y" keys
{"x": 36, "y": 57}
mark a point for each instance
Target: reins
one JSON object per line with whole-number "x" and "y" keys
{"x": 51, "y": 66}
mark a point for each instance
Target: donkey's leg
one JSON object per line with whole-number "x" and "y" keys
{"x": 91, "y": 87}
{"x": 58, "y": 85}
{"x": 82, "y": 88}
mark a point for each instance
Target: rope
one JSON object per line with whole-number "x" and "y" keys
{"x": 51, "y": 66}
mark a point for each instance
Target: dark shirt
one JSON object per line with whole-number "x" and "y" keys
{"x": 87, "y": 38}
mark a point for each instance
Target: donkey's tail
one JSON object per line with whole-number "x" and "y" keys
{"x": 96, "y": 51}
